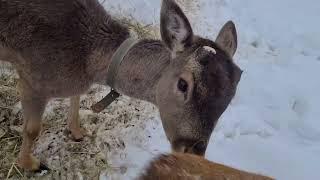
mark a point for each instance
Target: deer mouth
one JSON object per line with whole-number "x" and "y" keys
{"x": 197, "y": 147}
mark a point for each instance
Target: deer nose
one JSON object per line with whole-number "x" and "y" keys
{"x": 197, "y": 147}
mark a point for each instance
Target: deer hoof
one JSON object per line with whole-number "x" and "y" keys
{"x": 31, "y": 163}
{"x": 77, "y": 135}
{"x": 42, "y": 167}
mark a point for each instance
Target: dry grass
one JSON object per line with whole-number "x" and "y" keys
{"x": 10, "y": 118}
{"x": 67, "y": 159}
{"x": 143, "y": 31}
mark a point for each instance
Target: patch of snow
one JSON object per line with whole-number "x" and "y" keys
{"x": 272, "y": 126}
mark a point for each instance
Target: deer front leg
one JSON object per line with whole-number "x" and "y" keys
{"x": 73, "y": 119}
{"x": 32, "y": 107}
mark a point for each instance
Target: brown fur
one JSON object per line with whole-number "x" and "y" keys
{"x": 190, "y": 167}
{"x": 60, "y": 48}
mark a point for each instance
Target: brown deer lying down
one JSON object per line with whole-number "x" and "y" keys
{"x": 61, "y": 47}
{"x": 192, "y": 167}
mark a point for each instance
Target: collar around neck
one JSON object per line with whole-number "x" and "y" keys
{"x": 117, "y": 58}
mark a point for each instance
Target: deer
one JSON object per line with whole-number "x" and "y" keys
{"x": 179, "y": 166}
{"x": 60, "y": 48}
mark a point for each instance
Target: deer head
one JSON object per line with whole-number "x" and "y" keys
{"x": 199, "y": 83}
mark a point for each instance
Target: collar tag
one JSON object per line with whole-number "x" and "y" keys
{"x": 105, "y": 102}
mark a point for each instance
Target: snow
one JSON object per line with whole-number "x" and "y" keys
{"x": 272, "y": 126}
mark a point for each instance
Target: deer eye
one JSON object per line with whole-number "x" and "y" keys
{"x": 182, "y": 85}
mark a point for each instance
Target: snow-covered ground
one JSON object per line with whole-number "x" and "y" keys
{"x": 273, "y": 125}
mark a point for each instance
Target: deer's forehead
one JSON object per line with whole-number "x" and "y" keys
{"x": 202, "y": 58}
{"x": 196, "y": 69}
{"x": 194, "y": 66}
{"x": 194, "y": 62}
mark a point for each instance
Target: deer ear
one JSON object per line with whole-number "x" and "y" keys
{"x": 227, "y": 38}
{"x": 175, "y": 28}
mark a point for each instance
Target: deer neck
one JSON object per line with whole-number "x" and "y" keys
{"x": 141, "y": 69}
{"x": 105, "y": 40}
